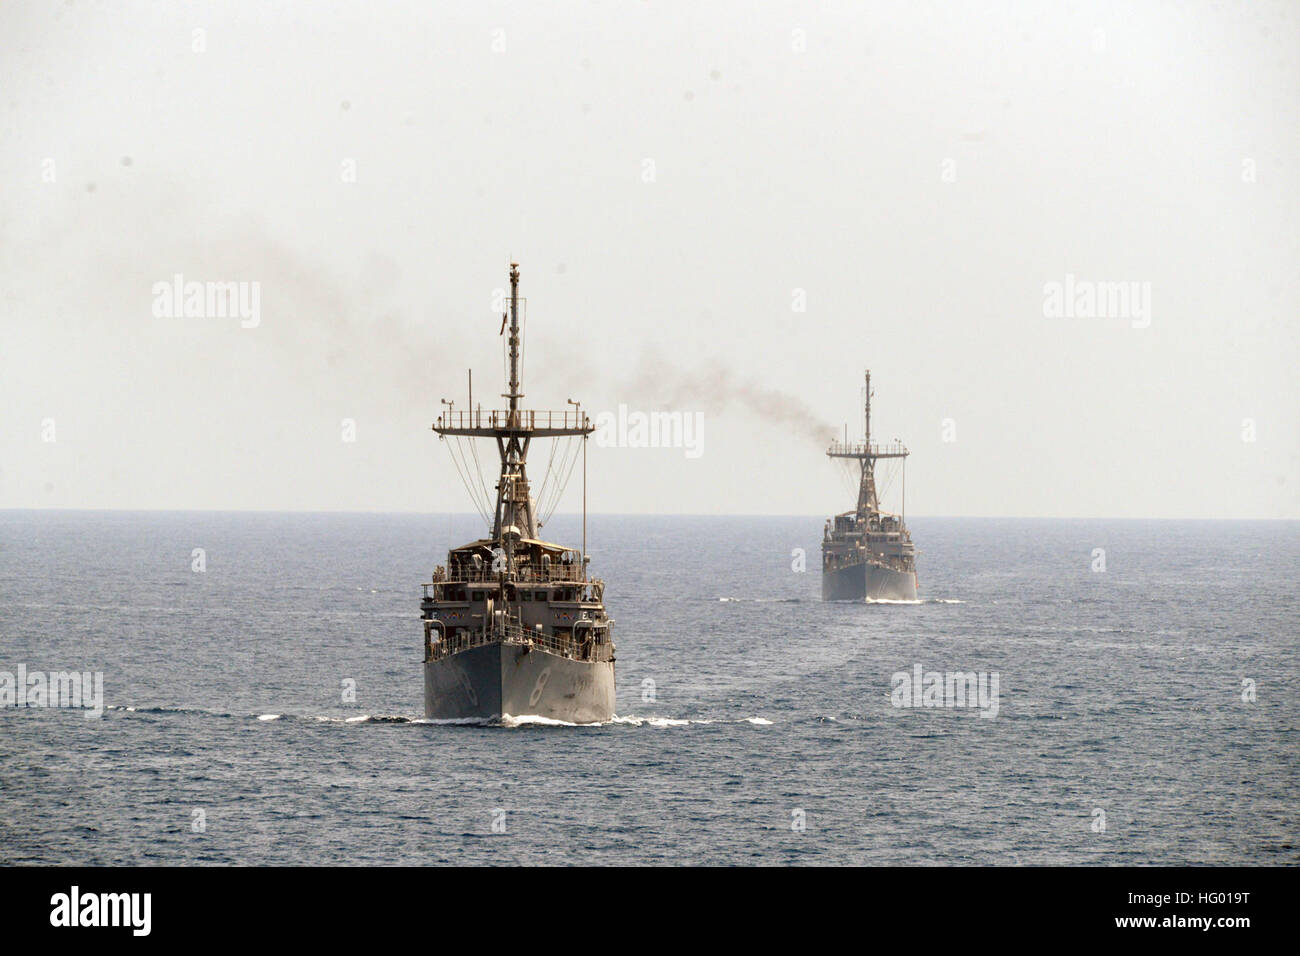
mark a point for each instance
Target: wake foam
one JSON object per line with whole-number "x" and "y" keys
{"x": 507, "y": 721}
{"x": 916, "y": 601}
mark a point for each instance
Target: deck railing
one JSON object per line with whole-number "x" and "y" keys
{"x": 895, "y": 449}
{"x": 526, "y": 574}
{"x": 583, "y": 646}
{"x": 520, "y": 419}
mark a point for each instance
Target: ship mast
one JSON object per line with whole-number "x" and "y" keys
{"x": 866, "y": 410}
{"x": 514, "y": 519}
{"x": 514, "y": 394}
{"x": 867, "y": 454}
{"x": 513, "y": 429}
{"x": 868, "y": 502}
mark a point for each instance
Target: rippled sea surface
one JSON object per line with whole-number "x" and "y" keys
{"x": 755, "y": 722}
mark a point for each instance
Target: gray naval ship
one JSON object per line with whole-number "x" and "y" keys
{"x": 514, "y": 625}
{"x": 868, "y": 553}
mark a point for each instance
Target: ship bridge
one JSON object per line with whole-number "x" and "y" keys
{"x": 484, "y": 560}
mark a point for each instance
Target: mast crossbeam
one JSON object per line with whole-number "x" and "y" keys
{"x": 500, "y": 423}
{"x": 863, "y": 450}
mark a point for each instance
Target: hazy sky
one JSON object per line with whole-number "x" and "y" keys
{"x": 676, "y": 180}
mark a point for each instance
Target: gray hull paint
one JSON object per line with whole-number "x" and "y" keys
{"x": 845, "y": 584}
{"x": 862, "y": 581}
{"x": 495, "y": 679}
{"x": 887, "y": 584}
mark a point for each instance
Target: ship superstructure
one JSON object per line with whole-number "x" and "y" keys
{"x": 867, "y": 553}
{"x": 514, "y": 625}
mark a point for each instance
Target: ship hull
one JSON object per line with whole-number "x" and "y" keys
{"x": 493, "y": 680}
{"x": 889, "y": 584}
{"x": 865, "y": 581}
{"x": 845, "y": 584}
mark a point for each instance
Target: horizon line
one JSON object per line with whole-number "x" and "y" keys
{"x": 633, "y": 514}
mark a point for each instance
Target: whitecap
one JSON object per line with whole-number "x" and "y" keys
{"x": 666, "y": 722}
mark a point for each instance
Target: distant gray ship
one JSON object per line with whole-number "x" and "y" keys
{"x": 868, "y": 553}
{"x": 513, "y": 625}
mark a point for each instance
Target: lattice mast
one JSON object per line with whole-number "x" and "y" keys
{"x": 867, "y": 454}
{"x": 514, "y": 428}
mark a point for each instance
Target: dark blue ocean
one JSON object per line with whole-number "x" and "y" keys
{"x": 755, "y": 722}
